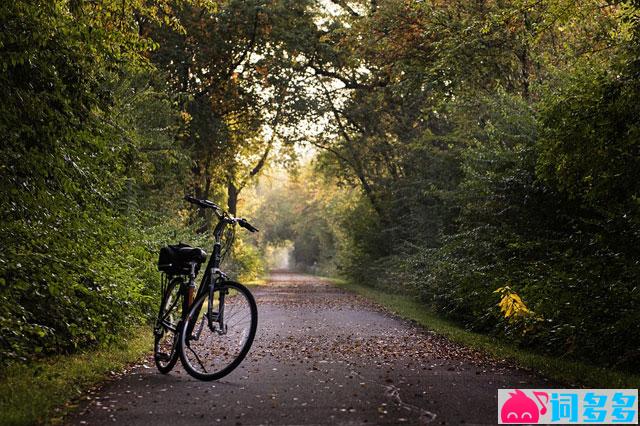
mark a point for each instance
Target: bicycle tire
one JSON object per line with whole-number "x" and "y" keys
{"x": 196, "y": 315}
{"x": 171, "y": 300}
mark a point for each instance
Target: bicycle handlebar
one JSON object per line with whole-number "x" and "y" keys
{"x": 221, "y": 213}
{"x": 202, "y": 203}
{"x": 246, "y": 225}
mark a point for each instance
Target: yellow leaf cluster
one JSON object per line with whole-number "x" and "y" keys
{"x": 511, "y": 305}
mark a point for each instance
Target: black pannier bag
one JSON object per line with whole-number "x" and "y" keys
{"x": 175, "y": 259}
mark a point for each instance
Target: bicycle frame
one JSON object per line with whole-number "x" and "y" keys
{"x": 212, "y": 276}
{"x": 213, "y": 265}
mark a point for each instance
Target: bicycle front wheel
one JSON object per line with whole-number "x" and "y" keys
{"x": 219, "y": 331}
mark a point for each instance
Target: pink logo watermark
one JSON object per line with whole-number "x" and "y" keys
{"x": 568, "y": 406}
{"x": 519, "y": 408}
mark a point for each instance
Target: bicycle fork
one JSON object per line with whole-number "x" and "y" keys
{"x": 217, "y": 317}
{"x": 214, "y": 319}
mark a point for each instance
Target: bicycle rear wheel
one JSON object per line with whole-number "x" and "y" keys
{"x": 166, "y": 345}
{"x": 215, "y": 339}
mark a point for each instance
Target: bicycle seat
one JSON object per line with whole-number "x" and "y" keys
{"x": 187, "y": 254}
{"x": 176, "y": 258}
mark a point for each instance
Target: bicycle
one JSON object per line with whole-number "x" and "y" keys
{"x": 211, "y": 330}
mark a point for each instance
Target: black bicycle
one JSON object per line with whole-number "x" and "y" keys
{"x": 210, "y": 329}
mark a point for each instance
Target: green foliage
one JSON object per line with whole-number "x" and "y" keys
{"x": 245, "y": 262}
{"x": 77, "y": 266}
{"x": 491, "y": 155}
{"x": 589, "y": 142}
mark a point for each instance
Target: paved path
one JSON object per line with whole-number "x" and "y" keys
{"x": 321, "y": 356}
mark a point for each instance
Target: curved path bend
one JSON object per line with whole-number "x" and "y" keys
{"x": 321, "y": 356}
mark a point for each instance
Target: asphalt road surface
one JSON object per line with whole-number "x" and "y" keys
{"x": 321, "y": 356}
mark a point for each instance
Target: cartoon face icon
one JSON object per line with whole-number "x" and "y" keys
{"x": 519, "y": 408}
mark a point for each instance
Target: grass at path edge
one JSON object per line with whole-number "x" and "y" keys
{"x": 564, "y": 371}
{"x": 39, "y": 392}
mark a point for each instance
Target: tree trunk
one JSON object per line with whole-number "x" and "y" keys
{"x": 232, "y": 197}
{"x": 202, "y": 192}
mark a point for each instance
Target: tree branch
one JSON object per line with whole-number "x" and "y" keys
{"x": 343, "y": 4}
{"x": 355, "y": 163}
{"x": 241, "y": 59}
{"x": 348, "y": 83}
{"x": 274, "y": 123}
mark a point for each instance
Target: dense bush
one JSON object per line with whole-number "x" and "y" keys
{"x": 76, "y": 267}
{"x": 501, "y": 185}
{"x": 571, "y": 257}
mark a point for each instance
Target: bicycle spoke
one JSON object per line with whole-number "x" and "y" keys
{"x": 228, "y": 317}
{"x": 200, "y": 329}
{"x": 198, "y": 359}
{"x": 241, "y": 319}
{"x": 170, "y": 309}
